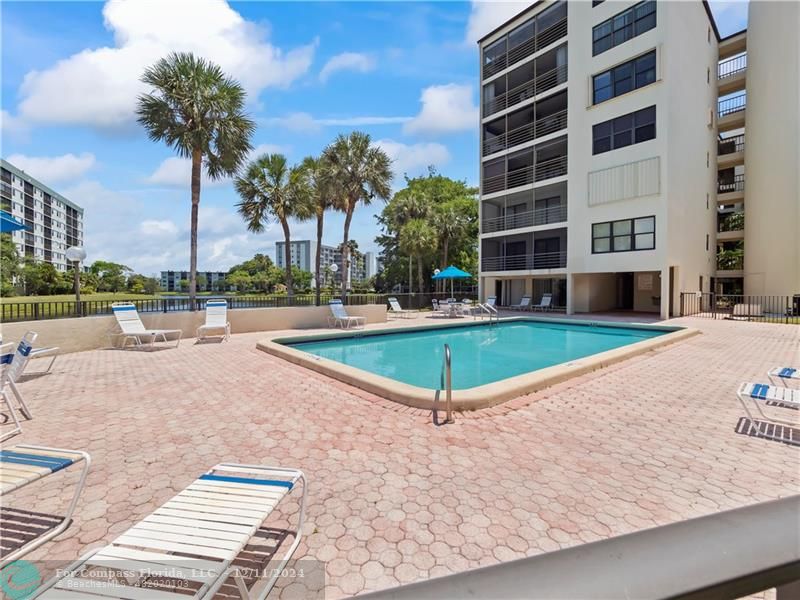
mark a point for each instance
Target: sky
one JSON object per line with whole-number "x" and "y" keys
{"x": 404, "y": 72}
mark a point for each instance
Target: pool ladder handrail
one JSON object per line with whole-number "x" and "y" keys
{"x": 491, "y": 311}
{"x": 447, "y": 383}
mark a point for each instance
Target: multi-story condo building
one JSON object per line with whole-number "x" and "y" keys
{"x": 53, "y": 222}
{"x": 212, "y": 281}
{"x": 303, "y": 255}
{"x": 611, "y": 157}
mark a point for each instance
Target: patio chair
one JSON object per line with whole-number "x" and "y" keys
{"x": 133, "y": 329}
{"x": 491, "y": 301}
{"x": 6, "y": 354}
{"x": 216, "y": 320}
{"x": 8, "y": 383}
{"x": 340, "y": 318}
{"x": 193, "y": 539}
{"x": 758, "y": 393}
{"x": 783, "y": 375}
{"x": 546, "y": 303}
{"x": 398, "y": 311}
{"x": 21, "y": 530}
{"x": 524, "y": 304}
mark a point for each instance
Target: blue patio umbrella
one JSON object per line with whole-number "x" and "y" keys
{"x": 8, "y": 223}
{"x": 452, "y": 273}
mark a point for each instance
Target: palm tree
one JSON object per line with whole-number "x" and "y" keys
{"x": 271, "y": 189}
{"x": 199, "y": 112}
{"x": 360, "y": 172}
{"x": 407, "y": 207}
{"x": 418, "y": 239}
{"x": 449, "y": 225}
{"x": 321, "y": 199}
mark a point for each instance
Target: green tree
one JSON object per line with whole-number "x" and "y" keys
{"x": 111, "y": 276}
{"x": 10, "y": 264}
{"x": 184, "y": 284}
{"x": 240, "y": 279}
{"x": 359, "y": 172}
{"x": 321, "y": 195}
{"x": 272, "y": 190}
{"x": 199, "y": 112}
{"x": 202, "y": 282}
{"x": 418, "y": 239}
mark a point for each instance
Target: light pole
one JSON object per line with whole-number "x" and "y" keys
{"x": 75, "y": 254}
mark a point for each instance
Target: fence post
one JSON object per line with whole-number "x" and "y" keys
{"x": 35, "y": 311}
{"x": 682, "y": 313}
{"x": 163, "y": 304}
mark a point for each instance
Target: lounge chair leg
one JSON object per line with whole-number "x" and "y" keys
{"x": 17, "y": 427}
{"x": 23, "y": 407}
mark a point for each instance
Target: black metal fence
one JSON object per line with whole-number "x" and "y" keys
{"x": 771, "y": 309}
{"x": 34, "y": 311}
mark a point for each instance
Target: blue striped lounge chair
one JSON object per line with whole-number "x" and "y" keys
{"x": 758, "y": 394}
{"x": 132, "y": 328}
{"x": 193, "y": 539}
{"x": 340, "y": 318}
{"x": 216, "y": 320}
{"x": 22, "y": 531}
{"x": 15, "y": 365}
{"x": 783, "y": 374}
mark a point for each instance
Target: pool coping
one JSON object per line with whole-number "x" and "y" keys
{"x": 474, "y": 398}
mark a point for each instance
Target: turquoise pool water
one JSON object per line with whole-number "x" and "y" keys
{"x": 481, "y": 354}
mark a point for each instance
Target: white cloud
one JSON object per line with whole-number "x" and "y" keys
{"x": 54, "y": 169}
{"x": 347, "y": 61}
{"x": 303, "y": 122}
{"x": 359, "y": 121}
{"x": 487, "y": 15}
{"x": 9, "y": 124}
{"x": 300, "y": 122}
{"x": 445, "y": 109}
{"x": 99, "y": 86}
{"x": 156, "y": 228}
{"x": 411, "y": 158}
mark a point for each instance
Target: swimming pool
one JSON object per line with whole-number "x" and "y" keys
{"x": 490, "y": 363}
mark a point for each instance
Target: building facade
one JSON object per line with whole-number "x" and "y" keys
{"x": 603, "y": 126}
{"x": 212, "y": 281}
{"x": 303, "y": 255}
{"x": 53, "y": 222}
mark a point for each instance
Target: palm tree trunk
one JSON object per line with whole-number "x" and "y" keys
{"x": 420, "y": 281}
{"x": 318, "y": 258}
{"x": 346, "y": 251}
{"x": 287, "y": 240}
{"x": 197, "y": 164}
{"x": 410, "y": 275}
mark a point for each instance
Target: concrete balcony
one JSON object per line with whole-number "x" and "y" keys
{"x": 525, "y": 262}
{"x": 730, "y": 152}
{"x": 732, "y": 75}
{"x": 733, "y": 45}
{"x": 731, "y": 191}
{"x": 731, "y": 113}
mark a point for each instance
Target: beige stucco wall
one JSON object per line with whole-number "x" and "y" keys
{"x": 74, "y": 335}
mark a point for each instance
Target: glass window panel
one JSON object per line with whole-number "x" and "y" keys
{"x": 645, "y": 241}
{"x": 601, "y": 245}
{"x": 623, "y": 122}
{"x": 645, "y": 24}
{"x": 622, "y": 139}
{"x": 622, "y": 227}
{"x": 601, "y": 230}
{"x": 644, "y": 133}
{"x": 602, "y": 129}
{"x": 602, "y": 94}
{"x": 601, "y": 31}
{"x": 601, "y": 145}
{"x": 645, "y": 116}
{"x": 520, "y": 35}
{"x": 645, "y": 225}
{"x": 622, "y": 244}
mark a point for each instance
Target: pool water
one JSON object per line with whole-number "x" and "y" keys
{"x": 481, "y": 354}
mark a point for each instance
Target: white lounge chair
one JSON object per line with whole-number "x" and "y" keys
{"x": 546, "y": 303}
{"x": 491, "y": 301}
{"x": 133, "y": 329}
{"x": 340, "y": 318}
{"x": 783, "y": 374}
{"x": 8, "y": 383}
{"x": 524, "y": 304}
{"x": 20, "y": 529}
{"x": 398, "y": 311}
{"x": 758, "y": 393}
{"x": 216, "y": 320}
{"x": 191, "y": 541}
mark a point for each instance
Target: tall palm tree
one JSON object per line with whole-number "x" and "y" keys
{"x": 199, "y": 112}
{"x": 360, "y": 172}
{"x": 449, "y": 225}
{"x": 321, "y": 199}
{"x": 271, "y": 189}
{"x": 418, "y": 239}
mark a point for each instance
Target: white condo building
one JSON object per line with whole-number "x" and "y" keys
{"x": 614, "y": 154}
{"x": 54, "y": 223}
{"x": 303, "y": 255}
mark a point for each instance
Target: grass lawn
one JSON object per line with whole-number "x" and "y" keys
{"x": 70, "y": 297}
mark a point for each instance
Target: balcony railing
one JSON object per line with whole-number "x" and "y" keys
{"x": 732, "y": 105}
{"x": 525, "y": 262}
{"x": 730, "y": 145}
{"x": 525, "y": 133}
{"x": 542, "y": 216}
{"x": 534, "y": 44}
{"x": 546, "y": 169}
{"x": 731, "y": 222}
{"x": 732, "y": 66}
{"x": 730, "y": 260}
{"x": 737, "y": 185}
{"x": 529, "y": 89}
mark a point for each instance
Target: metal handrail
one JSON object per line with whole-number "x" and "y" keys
{"x": 538, "y": 41}
{"x": 529, "y": 89}
{"x": 525, "y": 133}
{"x": 447, "y": 383}
{"x": 522, "y": 262}
{"x": 731, "y": 144}
{"x": 737, "y": 185}
{"x": 732, "y": 66}
{"x": 539, "y": 216}
{"x": 541, "y": 170}
{"x": 731, "y": 105}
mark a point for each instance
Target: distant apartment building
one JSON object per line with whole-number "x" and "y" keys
{"x": 303, "y": 255}
{"x": 208, "y": 281}
{"x": 53, "y": 222}
{"x": 614, "y": 155}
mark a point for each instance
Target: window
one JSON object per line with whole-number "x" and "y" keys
{"x": 596, "y": 2}
{"x": 624, "y": 236}
{"x": 624, "y": 78}
{"x": 623, "y": 26}
{"x": 626, "y": 130}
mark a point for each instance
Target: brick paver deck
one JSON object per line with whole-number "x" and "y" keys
{"x": 395, "y": 498}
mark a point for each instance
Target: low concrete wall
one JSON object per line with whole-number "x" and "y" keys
{"x": 89, "y": 333}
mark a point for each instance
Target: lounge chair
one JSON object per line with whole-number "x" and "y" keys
{"x": 8, "y": 383}
{"x": 398, "y": 311}
{"x": 524, "y": 304}
{"x": 216, "y": 320}
{"x": 6, "y": 354}
{"x": 193, "y": 539}
{"x": 133, "y": 329}
{"x": 491, "y": 301}
{"x": 783, "y": 375}
{"x": 340, "y": 318}
{"x": 21, "y": 530}
{"x": 756, "y": 393}
{"x": 545, "y": 303}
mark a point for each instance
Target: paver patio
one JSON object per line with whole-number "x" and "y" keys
{"x": 395, "y": 498}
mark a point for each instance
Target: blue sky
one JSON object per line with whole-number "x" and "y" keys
{"x": 405, "y": 72}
